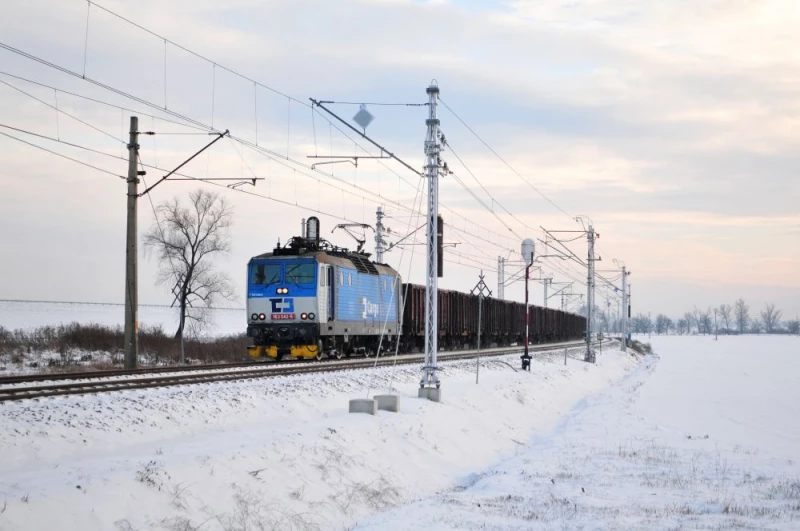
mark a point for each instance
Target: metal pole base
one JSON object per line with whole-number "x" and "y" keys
{"x": 526, "y": 362}
{"x": 434, "y": 394}
{"x": 429, "y": 378}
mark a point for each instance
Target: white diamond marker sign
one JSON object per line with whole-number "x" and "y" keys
{"x": 363, "y": 117}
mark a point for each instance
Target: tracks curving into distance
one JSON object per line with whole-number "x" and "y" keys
{"x": 14, "y": 388}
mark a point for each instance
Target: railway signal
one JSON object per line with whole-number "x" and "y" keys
{"x": 481, "y": 288}
{"x": 527, "y": 251}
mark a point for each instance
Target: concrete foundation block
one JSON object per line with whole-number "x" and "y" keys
{"x": 434, "y": 394}
{"x": 388, "y": 402}
{"x": 364, "y": 405}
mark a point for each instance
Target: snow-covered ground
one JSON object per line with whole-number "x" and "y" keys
{"x": 706, "y": 437}
{"x": 29, "y": 315}
{"x": 280, "y": 453}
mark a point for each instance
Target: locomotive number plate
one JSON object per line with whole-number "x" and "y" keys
{"x": 282, "y": 316}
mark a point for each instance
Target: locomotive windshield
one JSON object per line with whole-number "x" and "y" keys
{"x": 300, "y": 273}
{"x": 265, "y": 274}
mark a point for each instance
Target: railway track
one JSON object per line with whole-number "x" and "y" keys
{"x": 109, "y": 381}
{"x": 83, "y": 375}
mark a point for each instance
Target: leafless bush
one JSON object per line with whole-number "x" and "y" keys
{"x": 79, "y": 345}
{"x": 181, "y": 523}
{"x": 250, "y": 513}
{"x": 641, "y": 348}
{"x": 152, "y": 475}
{"x": 378, "y": 495}
{"x": 124, "y": 525}
{"x": 785, "y": 489}
{"x": 179, "y": 493}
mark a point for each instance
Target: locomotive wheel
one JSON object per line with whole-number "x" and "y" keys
{"x": 337, "y": 354}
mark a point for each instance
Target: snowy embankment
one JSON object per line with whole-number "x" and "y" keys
{"x": 278, "y": 453}
{"x": 706, "y": 437}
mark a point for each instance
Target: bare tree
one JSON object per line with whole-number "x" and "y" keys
{"x": 793, "y": 326}
{"x": 742, "y": 312}
{"x": 771, "y": 317}
{"x": 689, "y": 318}
{"x": 704, "y": 319}
{"x": 640, "y": 324}
{"x": 186, "y": 239}
{"x": 683, "y": 326}
{"x": 697, "y": 315}
{"x": 663, "y": 324}
{"x": 602, "y": 322}
{"x": 725, "y": 314}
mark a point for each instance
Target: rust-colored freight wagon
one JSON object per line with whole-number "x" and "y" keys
{"x": 502, "y": 323}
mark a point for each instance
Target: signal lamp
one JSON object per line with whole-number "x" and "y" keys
{"x": 303, "y": 316}
{"x": 262, "y": 316}
{"x": 254, "y": 317}
{"x": 311, "y": 316}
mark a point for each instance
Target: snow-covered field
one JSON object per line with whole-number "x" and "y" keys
{"x": 704, "y": 435}
{"x": 29, "y": 315}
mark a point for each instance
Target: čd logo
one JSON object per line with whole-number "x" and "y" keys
{"x": 281, "y": 305}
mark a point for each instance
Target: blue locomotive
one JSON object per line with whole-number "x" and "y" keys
{"x": 309, "y": 299}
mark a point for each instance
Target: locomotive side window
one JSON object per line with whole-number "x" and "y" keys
{"x": 265, "y": 274}
{"x": 300, "y": 273}
{"x": 341, "y": 277}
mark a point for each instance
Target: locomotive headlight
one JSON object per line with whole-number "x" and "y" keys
{"x": 262, "y": 316}
{"x": 311, "y": 316}
{"x": 254, "y": 317}
{"x": 303, "y": 316}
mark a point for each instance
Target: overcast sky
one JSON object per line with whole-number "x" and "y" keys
{"x": 673, "y": 125}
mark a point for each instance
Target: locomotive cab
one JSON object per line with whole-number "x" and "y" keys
{"x": 282, "y": 306}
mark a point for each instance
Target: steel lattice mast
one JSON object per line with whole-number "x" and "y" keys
{"x": 379, "y": 242}
{"x": 590, "y": 355}
{"x": 432, "y": 150}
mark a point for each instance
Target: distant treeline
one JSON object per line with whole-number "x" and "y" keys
{"x": 724, "y": 319}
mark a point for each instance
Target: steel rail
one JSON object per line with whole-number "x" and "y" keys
{"x": 267, "y": 371}
{"x": 109, "y": 373}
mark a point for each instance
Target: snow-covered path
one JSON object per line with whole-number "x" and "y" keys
{"x": 705, "y": 437}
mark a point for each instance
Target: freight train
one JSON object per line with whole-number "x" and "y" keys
{"x": 309, "y": 299}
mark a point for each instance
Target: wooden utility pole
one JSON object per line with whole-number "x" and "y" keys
{"x": 131, "y": 254}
